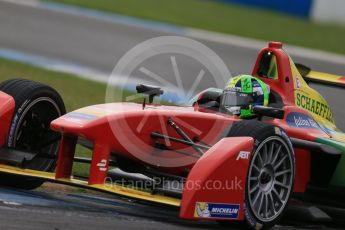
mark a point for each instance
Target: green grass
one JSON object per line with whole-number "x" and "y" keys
{"x": 226, "y": 18}
{"x": 75, "y": 92}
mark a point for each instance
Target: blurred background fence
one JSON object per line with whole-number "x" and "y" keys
{"x": 316, "y": 10}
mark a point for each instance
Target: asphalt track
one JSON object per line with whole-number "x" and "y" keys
{"x": 99, "y": 45}
{"x": 56, "y": 208}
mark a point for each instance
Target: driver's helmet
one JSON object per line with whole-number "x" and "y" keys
{"x": 242, "y": 93}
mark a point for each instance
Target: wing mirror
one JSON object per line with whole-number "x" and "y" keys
{"x": 150, "y": 90}
{"x": 269, "y": 112}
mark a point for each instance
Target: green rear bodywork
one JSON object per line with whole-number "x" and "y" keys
{"x": 338, "y": 178}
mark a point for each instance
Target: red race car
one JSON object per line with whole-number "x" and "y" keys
{"x": 211, "y": 163}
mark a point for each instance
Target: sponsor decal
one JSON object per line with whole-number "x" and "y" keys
{"x": 80, "y": 116}
{"x": 298, "y": 82}
{"x": 250, "y": 219}
{"x": 287, "y": 138}
{"x": 256, "y": 142}
{"x": 277, "y": 130}
{"x": 283, "y": 134}
{"x": 300, "y": 120}
{"x": 242, "y": 155}
{"x": 314, "y": 106}
{"x": 216, "y": 210}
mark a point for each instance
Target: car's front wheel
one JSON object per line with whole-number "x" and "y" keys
{"x": 36, "y": 105}
{"x": 271, "y": 173}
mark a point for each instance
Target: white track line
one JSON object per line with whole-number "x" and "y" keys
{"x": 221, "y": 38}
{"x": 256, "y": 44}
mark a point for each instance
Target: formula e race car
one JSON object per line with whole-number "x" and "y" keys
{"x": 211, "y": 164}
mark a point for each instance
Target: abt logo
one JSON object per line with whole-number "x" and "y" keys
{"x": 243, "y": 155}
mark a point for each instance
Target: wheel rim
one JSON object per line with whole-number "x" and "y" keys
{"x": 33, "y": 132}
{"x": 270, "y": 178}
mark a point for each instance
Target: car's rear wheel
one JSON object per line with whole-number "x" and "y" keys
{"x": 36, "y": 106}
{"x": 271, "y": 173}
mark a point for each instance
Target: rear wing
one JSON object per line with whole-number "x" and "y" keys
{"x": 310, "y": 75}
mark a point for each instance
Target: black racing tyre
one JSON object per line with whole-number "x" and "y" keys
{"x": 271, "y": 173}
{"x": 36, "y": 105}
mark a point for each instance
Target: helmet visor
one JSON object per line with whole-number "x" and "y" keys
{"x": 234, "y": 98}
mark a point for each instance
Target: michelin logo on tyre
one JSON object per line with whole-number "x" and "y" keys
{"x": 216, "y": 210}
